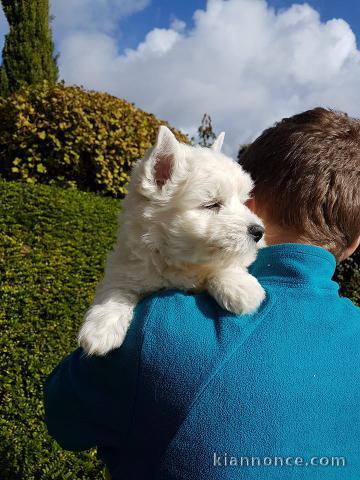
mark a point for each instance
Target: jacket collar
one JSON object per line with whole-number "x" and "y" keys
{"x": 295, "y": 263}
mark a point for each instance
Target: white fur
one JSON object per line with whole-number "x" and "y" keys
{"x": 218, "y": 143}
{"x": 168, "y": 238}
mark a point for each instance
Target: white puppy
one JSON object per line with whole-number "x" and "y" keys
{"x": 185, "y": 225}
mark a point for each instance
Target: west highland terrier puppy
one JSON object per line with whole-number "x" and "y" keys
{"x": 184, "y": 225}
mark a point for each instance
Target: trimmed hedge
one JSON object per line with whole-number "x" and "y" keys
{"x": 71, "y": 136}
{"x": 53, "y": 246}
{"x": 348, "y": 275}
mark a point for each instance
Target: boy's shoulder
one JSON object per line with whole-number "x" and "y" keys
{"x": 172, "y": 315}
{"x": 349, "y": 316}
{"x": 193, "y": 320}
{"x": 180, "y": 330}
{"x": 186, "y": 338}
{"x": 190, "y": 332}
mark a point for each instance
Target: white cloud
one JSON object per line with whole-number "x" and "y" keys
{"x": 90, "y": 16}
{"x": 178, "y": 25}
{"x": 157, "y": 43}
{"x": 92, "y": 54}
{"x": 101, "y": 16}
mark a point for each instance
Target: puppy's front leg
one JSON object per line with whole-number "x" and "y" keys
{"x": 236, "y": 290}
{"x": 107, "y": 321}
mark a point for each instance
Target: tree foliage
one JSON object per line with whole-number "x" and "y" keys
{"x": 206, "y": 132}
{"x": 28, "y": 55}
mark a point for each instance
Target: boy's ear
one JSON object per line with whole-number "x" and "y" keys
{"x": 165, "y": 157}
{"x": 250, "y": 203}
{"x": 218, "y": 143}
{"x": 350, "y": 250}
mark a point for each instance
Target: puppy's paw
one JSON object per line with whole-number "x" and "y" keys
{"x": 104, "y": 327}
{"x": 239, "y": 293}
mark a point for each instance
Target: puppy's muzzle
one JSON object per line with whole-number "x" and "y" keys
{"x": 256, "y": 232}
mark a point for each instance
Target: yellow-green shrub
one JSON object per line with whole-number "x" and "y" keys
{"x": 71, "y": 136}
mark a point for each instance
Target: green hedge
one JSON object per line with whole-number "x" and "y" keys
{"x": 53, "y": 245}
{"x": 52, "y": 250}
{"x": 70, "y": 136}
{"x": 348, "y": 275}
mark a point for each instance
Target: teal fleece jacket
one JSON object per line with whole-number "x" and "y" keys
{"x": 195, "y": 392}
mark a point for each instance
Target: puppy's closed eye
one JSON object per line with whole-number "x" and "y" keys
{"x": 212, "y": 206}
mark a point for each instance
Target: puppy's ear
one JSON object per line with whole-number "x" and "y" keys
{"x": 218, "y": 143}
{"x": 166, "y": 156}
{"x": 163, "y": 166}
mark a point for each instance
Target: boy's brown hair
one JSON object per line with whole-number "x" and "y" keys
{"x": 306, "y": 170}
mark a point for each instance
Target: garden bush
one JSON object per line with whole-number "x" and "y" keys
{"x": 53, "y": 246}
{"x": 348, "y": 276}
{"x": 72, "y": 136}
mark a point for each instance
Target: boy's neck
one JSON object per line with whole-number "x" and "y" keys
{"x": 273, "y": 236}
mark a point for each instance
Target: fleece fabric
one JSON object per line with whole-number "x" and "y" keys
{"x": 197, "y": 393}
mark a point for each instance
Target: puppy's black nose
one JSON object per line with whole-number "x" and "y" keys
{"x": 256, "y": 231}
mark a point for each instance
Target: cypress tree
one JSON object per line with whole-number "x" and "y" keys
{"x": 28, "y": 55}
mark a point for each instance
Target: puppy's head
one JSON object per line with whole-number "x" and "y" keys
{"x": 192, "y": 203}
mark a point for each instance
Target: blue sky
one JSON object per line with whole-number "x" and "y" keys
{"x": 160, "y": 13}
{"x": 247, "y": 63}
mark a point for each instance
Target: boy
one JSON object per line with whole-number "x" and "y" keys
{"x": 208, "y": 395}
